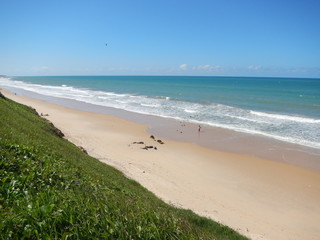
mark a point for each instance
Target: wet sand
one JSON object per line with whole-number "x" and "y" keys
{"x": 262, "y": 198}
{"x": 210, "y": 137}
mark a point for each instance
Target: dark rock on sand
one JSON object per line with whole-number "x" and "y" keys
{"x": 159, "y": 141}
{"x": 149, "y": 147}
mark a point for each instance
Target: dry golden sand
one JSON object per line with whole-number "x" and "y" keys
{"x": 259, "y": 198}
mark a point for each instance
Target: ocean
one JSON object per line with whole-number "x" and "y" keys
{"x": 286, "y": 109}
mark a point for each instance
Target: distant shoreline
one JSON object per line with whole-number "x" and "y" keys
{"x": 132, "y": 75}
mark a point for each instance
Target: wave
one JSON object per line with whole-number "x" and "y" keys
{"x": 295, "y": 129}
{"x": 163, "y": 97}
{"x": 254, "y": 120}
{"x": 190, "y": 111}
{"x": 289, "y": 139}
{"x": 285, "y": 117}
{"x": 150, "y": 105}
{"x": 123, "y": 102}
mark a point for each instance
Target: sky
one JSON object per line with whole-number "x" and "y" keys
{"x": 267, "y": 38}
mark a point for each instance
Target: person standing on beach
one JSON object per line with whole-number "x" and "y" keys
{"x": 199, "y": 129}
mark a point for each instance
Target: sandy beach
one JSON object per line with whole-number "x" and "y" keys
{"x": 260, "y": 198}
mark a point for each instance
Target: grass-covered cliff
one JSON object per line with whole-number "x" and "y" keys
{"x": 50, "y": 189}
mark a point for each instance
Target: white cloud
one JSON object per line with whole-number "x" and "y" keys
{"x": 254, "y": 68}
{"x": 207, "y": 67}
{"x": 183, "y": 67}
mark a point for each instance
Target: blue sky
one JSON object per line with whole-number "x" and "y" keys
{"x": 167, "y": 37}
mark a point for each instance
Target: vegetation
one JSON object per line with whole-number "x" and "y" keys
{"x": 50, "y": 189}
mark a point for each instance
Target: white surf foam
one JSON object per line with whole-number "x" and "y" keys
{"x": 285, "y": 117}
{"x": 294, "y": 129}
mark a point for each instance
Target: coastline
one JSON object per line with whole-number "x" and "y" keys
{"x": 261, "y": 199}
{"x": 211, "y": 137}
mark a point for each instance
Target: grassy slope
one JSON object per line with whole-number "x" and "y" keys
{"x": 49, "y": 189}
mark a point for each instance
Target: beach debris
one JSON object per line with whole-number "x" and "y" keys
{"x": 160, "y": 141}
{"x": 44, "y": 115}
{"x": 147, "y": 147}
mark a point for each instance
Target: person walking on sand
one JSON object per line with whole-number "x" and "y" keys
{"x": 199, "y": 129}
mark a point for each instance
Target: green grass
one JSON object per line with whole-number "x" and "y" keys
{"x": 50, "y": 189}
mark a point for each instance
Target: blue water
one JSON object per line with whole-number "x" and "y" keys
{"x": 286, "y": 109}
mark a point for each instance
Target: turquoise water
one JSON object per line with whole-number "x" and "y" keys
{"x": 286, "y": 109}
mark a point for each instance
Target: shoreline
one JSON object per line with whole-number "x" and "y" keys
{"x": 259, "y": 198}
{"x": 215, "y": 138}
